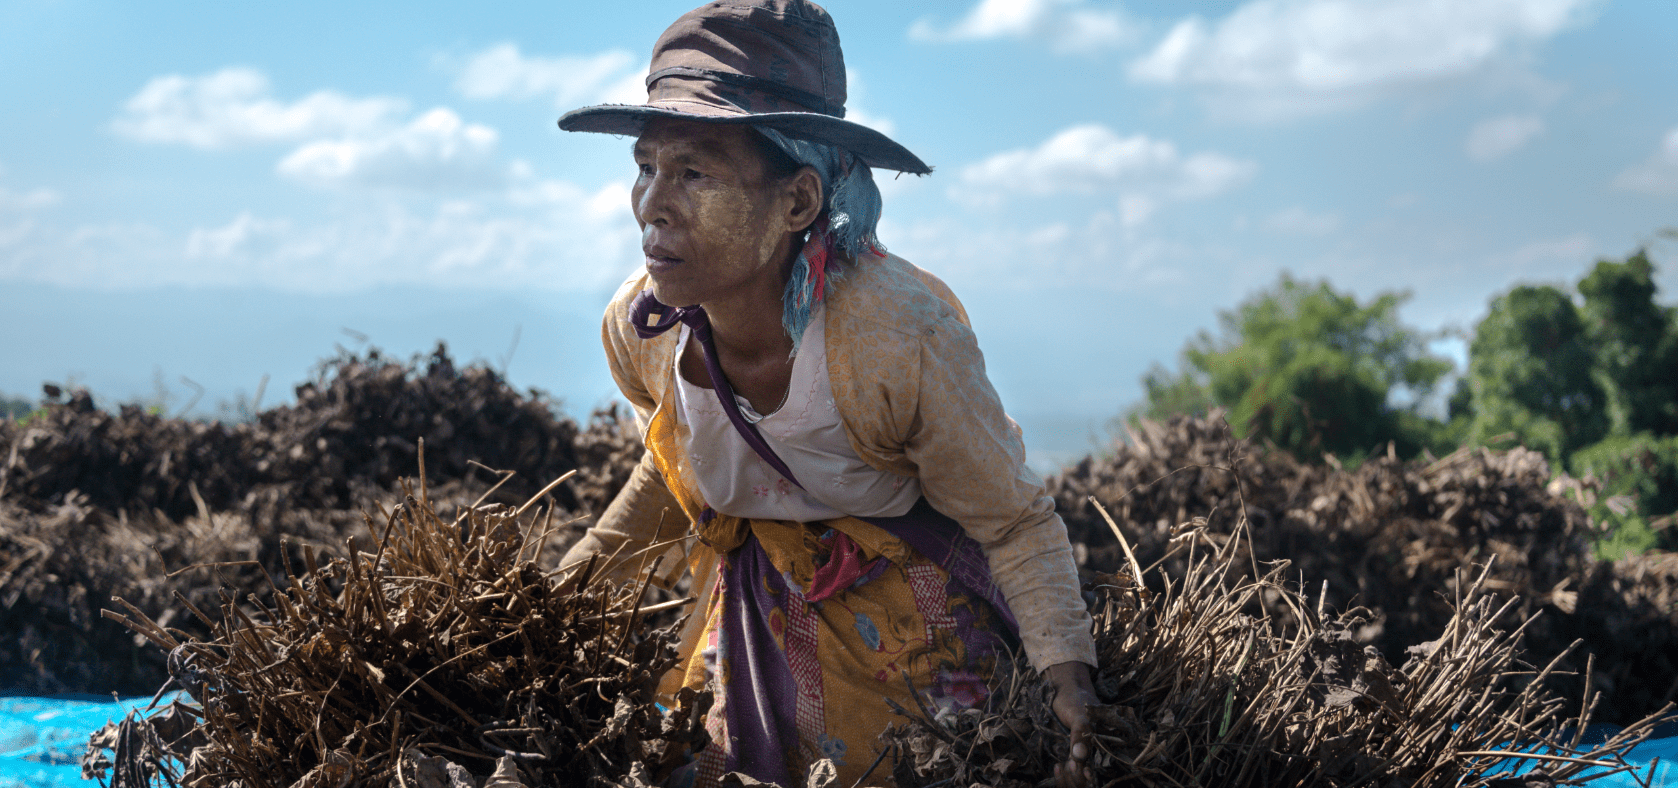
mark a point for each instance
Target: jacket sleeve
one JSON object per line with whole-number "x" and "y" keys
{"x": 644, "y": 511}
{"x": 970, "y": 459}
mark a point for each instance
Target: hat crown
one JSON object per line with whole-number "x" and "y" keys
{"x": 769, "y": 63}
{"x": 765, "y": 56}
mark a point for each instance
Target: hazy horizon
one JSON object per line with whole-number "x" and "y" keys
{"x": 217, "y": 193}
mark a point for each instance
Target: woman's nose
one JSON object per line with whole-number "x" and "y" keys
{"x": 652, "y": 201}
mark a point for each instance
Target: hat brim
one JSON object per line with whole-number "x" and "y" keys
{"x": 876, "y": 149}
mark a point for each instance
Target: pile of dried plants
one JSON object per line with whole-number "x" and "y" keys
{"x": 188, "y": 521}
{"x": 1207, "y": 688}
{"x": 95, "y": 504}
{"x": 442, "y": 655}
{"x": 1393, "y": 536}
{"x": 357, "y": 423}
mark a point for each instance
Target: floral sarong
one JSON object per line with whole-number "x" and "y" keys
{"x": 808, "y": 632}
{"x": 796, "y": 680}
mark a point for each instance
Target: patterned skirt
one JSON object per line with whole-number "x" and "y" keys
{"x": 811, "y": 631}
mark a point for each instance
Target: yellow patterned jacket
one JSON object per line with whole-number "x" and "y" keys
{"x": 910, "y": 386}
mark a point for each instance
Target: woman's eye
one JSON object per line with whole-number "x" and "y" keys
{"x": 645, "y": 169}
{"x": 692, "y": 175}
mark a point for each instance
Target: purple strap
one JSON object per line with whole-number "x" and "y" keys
{"x": 642, "y": 314}
{"x": 943, "y": 541}
{"x": 930, "y": 532}
{"x": 760, "y": 685}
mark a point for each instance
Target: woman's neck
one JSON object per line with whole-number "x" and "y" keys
{"x": 748, "y": 324}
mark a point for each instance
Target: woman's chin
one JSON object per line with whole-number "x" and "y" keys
{"x": 671, "y": 293}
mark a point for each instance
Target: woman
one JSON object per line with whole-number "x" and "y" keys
{"x": 824, "y": 448}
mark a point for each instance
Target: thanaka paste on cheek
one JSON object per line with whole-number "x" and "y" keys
{"x": 730, "y": 228}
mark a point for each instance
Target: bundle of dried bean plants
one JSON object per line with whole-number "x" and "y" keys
{"x": 1205, "y": 688}
{"x": 444, "y": 657}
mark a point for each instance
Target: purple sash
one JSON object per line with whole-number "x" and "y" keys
{"x": 760, "y": 679}
{"x": 931, "y": 533}
{"x": 651, "y": 318}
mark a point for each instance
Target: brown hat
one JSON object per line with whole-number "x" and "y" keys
{"x": 773, "y": 63}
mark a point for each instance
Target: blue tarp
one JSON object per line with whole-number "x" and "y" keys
{"x": 41, "y": 739}
{"x": 1654, "y": 758}
{"x": 41, "y": 743}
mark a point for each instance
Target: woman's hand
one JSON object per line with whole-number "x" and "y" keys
{"x": 1074, "y": 694}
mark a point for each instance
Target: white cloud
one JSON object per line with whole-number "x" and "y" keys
{"x": 1065, "y": 25}
{"x": 344, "y": 142}
{"x": 540, "y": 235}
{"x": 1099, "y": 252}
{"x": 15, "y": 234}
{"x": 503, "y": 72}
{"x": 878, "y": 123}
{"x": 1300, "y": 221}
{"x": 17, "y": 209}
{"x": 1091, "y": 158}
{"x": 1319, "y": 47}
{"x": 437, "y": 150}
{"x": 1495, "y": 138}
{"x": 631, "y": 88}
{"x": 242, "y": 237}
{"x": 856, "y": 95}
{"x": 1136, "y": 209}
{"x": 25, "y": 201}
{"x": 1114, "y": 246}
{"x": 94, "y": 255}
{"x": 1570, "y": 250}
{"x": 232, "y": 107}
{"x": 1657, "y": 174}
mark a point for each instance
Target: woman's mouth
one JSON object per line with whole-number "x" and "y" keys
{"x": 657, "y": 264}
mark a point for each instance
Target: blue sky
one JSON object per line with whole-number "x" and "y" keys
{"x": 223, "y": 191}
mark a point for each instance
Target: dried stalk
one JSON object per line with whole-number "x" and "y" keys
{"x": 445, "y": 640}
{"x": 1205, "y": 686}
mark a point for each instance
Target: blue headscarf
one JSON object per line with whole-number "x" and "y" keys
{"x": 843, "y": 233}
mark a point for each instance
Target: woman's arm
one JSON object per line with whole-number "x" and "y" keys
{"x": 643, "y": 513}
{"x": 910, "y": 383}
{"x": 970, "y": 459}
{"x": 1074, "y": 695}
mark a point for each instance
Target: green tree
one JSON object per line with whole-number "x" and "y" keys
{"x": 1166, "y": 394}
{"x": 15, "y": 407}
{"x": 1310, "y": 369}
{"x": 1592, "y": 383}
{"x": 1530, "y": 372}
{"x": 1634, "y": 344}
{"x": 1639, "y": 476}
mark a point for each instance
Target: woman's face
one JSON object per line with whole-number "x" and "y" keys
{"x": 715, "y": 225}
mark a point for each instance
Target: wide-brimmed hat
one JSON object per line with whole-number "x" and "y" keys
{"x": 773, "y": 63}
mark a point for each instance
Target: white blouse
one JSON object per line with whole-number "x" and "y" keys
{"x": 805, "y": 432}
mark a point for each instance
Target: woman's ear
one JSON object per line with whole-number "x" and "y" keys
{"x": 805, "y": 190}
